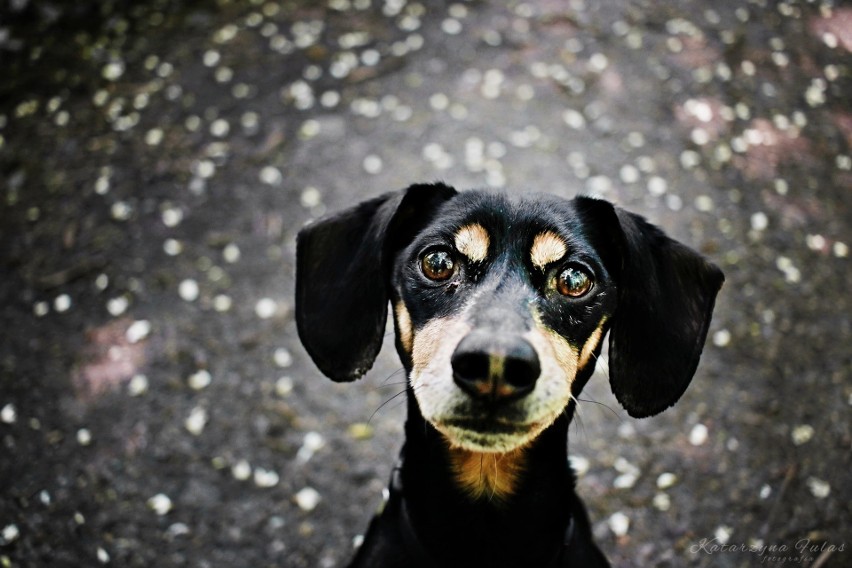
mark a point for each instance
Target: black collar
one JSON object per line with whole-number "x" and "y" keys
{"x": 414, "y": 546}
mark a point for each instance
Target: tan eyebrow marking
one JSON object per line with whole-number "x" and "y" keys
{"x": 473, "y": 241}
{"x": 547, "y": 247}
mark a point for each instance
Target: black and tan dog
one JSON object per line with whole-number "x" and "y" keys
{"x": 501, "y": 306}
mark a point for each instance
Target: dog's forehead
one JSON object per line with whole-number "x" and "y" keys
{"x": 476, "y": 220}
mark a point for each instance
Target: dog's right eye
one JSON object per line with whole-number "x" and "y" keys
{"x": 438, "y": 265}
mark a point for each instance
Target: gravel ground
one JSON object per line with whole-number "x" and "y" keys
{"x": 158, "y": 157}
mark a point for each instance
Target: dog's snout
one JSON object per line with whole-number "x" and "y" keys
{"x": 495, "y": 368}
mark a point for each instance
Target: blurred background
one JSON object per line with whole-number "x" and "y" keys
{"x": 157, "y": 159}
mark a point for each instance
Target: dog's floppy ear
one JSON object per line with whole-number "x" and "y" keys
{"x": 666, "y": 294}
{"x": 342, "y": 265}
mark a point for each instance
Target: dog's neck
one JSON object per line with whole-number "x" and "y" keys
{"x": 481, "y": 522}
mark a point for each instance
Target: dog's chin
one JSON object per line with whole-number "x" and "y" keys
{"x": 488, "y": 436}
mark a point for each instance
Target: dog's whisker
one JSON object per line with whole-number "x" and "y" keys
{"x": 400, "y": 371}
{"x": 579, "y": 420}
{"x": 608, "y": 407}
{"x": 393, "y": 384}
{"x": 382, "y": 405}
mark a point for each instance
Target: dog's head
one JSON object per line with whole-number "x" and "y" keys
{"x": 501, "y": 305}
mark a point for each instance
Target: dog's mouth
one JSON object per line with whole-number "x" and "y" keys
{"x": 488, "y": 425}
{"x": 488, "y": 434}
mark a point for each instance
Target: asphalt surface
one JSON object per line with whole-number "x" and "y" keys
{"x": 157, "y": 159}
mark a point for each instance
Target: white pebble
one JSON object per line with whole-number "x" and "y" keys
{"x": 172, "y": 217}
{"x": 200, "y": 379}
{"x": 629, "y": 174}
{"x": 310, "y": 445}
{"x": 698, "y": 435}
{"x": 103, "y": 556}
{"x": 662, "y": 502}
{"x": 241, "y": 470}
{"x": 626, "y": 431}
{"x": 451, "y": 26}
{"x": 9, "y": 415}
{"x": 172, "y": 247}
{"x": 802, "y": 434}
{"x": 154, "y": 136}
{"x": 310, "y": 129}
{"x": 177, "y": 529}
{"x": 10, "y": 534}
{"x": 160, "y": 504}
{"x": 723, "y": 534}
{"x": 765, "y": 491}
{"x": 657, "y": 185}
{"x": 598, "y": 62}
{"x": 231, "y": 253}
{"x": 271, "y": 176}
{"x": 722, "y": 338}
{"x": 574, "y": 119}
{"x": 265, "y": 308}
{"x": 625, "y": 481}
{"x": 307, "y": 499}
{"x": 62, "y": 303}
{"x": 84, "y": 437}
{"x": 196, "y": 421}
{"x": 674, "y": 202}
{"x": 284, "y": 386}
{"x": 330, "y": 99}
{"x": 311, "y": 197}
{"x": 598, "y": 184}
{"x": 439, "y": 101}
{"x": 265, "y": 478}
{"x": 699, "y": 109}
{"x": 188, "y": 290}
{"x": 791, "y": 273}
{"x": 138, "y": 331}
{"x": 579, "y": 464}
{"x": 211, "y": 57}
{"x": 121, "y": 211}
{"x": 113, "y": 70}
{"x": 220, "y": 128}
{"x": 759, "y": 221}
{"x": 138, "y": 385}
{"x": 222, "y": 303}
{"x": 666, "y": 480}
{"x": 41, "y": 309}
{"x": 689, "y": 159}
{"x": 819, "y": 488}
{"x": 619, "y": 524}
{"x": 282, "y": 357}
{"x": 815, "y": 242}
{"x": 204, "y": 169}
{"x": 373, "y": 164}
{"x": 704, "y": 203}
{"x": 621, "y": 465}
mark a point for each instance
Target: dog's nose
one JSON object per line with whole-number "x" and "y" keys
{"x": 495, "y": 367}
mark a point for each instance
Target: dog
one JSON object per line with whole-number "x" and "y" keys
{"x": 500, "y": 307}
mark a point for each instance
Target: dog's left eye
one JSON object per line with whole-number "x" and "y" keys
{"x": 438, "y": 265}
{"x": 574, "y": 282}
